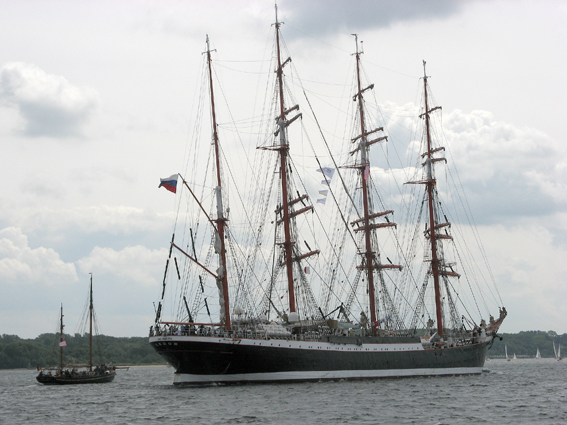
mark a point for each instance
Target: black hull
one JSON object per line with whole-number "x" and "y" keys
{"x": 199, "y": 360}
{"x": 73, "y": 380}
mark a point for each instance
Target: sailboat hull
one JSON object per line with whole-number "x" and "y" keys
{"x": 72, "y": 380}
{"x": 204, "y": 360}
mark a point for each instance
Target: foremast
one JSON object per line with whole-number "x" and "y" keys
{"x": 370, "y": 256}
{"x": 438, "y": 267}
{"x": 430, "y": 186}
{"x": 220, "y": 249}
{"x": 91, "y": 324}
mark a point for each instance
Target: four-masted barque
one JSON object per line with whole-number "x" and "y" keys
{"x": 257, "y": 319}
{"x": 68, "y": 374}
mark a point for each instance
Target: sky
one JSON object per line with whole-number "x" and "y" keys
{"x": 95, "y": 102}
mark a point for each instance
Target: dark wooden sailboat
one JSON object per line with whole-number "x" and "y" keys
{"x": 67, "y": 374}
{"x": 300, "y": 341}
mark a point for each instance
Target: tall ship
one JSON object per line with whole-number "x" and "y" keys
{"x": 68, "y": 373}
{"x": 294, "y": 290}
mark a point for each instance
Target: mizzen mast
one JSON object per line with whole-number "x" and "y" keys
{"x": 365, "y": 224}
{"x": 220, "y": 249}
{"x": 285, "y": 209}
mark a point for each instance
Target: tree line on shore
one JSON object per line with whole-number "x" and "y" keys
{"x": 43, "y": 351}
{"x": 526, "y": 344}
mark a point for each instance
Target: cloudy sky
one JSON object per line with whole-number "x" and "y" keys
{"x": 95, "y": 99}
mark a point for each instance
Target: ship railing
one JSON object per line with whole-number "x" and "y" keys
{"x": 262, "y": 334}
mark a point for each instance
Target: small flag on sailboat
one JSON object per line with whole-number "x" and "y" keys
{"x": 327, "y": 171}
{"x": 63, "y": 343}
{"x": 170, "y": 183}
{"x": 307, "y": 270}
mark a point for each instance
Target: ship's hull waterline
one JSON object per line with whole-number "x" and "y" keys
{"x": 209, "y": 360}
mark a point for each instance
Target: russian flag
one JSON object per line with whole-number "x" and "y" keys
{"x": 170, "y": 183}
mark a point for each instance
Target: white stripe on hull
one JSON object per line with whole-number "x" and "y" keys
{"x": 321, "y": 375}
{"x": 174, "y": 340}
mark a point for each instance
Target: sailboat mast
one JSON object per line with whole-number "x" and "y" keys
{"x": 220, "y": 221}
{"x": 364, "y": 174}
{"x": 91, "y": 326}
{"x": 432, "y": 235}
{"x": 61, "y": 338}
{"x": 284, "y": 150}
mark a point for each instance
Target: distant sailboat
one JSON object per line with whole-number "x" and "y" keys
{"x": 538, "y": 355}
{"x": 506, "y": 351}
{"x": 514, "y": 357}
{"x": 66, "y": 374}
{"x": 557, "y": 351}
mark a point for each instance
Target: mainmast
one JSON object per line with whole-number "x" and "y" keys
{"x": 222, "y": 282}
{"x": 284, "y": 151}
{"x": 91, "y": 325}
{"x": 370, "y": 260}
{"x": 61, "y": 338}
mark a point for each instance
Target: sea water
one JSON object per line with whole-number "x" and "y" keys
{"x": 523, "y": 391}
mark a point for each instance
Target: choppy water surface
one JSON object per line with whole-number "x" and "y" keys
{"x": 523, "y": 391}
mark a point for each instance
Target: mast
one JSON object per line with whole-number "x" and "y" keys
{"x": 61, "y": 338}
{"x": 283, "y": 149}
{"x": 220, "y": 249}
{"x": 364, "y": 163}
{"x": 370, "y": 260}
{"x": 286, "y": 209}
{"x": 91, "y": 325}
{"x": 430, "y": 184}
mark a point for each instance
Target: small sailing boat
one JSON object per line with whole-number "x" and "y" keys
{"x": 537, "y": 355}
{"x": 66, "y": 374}
{"x": 514, "y": 358}
{"x": 557, "y": 351}
{"x": 506, "y": 352}
{"x": 246, "y": 308}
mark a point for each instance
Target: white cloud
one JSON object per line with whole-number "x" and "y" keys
{"x": 112, "y": 219}
{"x": 22, "y": 265}
{"x": 485, "y": 147}
{"x": 530, "y": 273}
{"x": 506, "y": 171}
{"x": 49, "y": 104}
{"x": 324, "y": 17}
{"x": 135, "y": 265}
